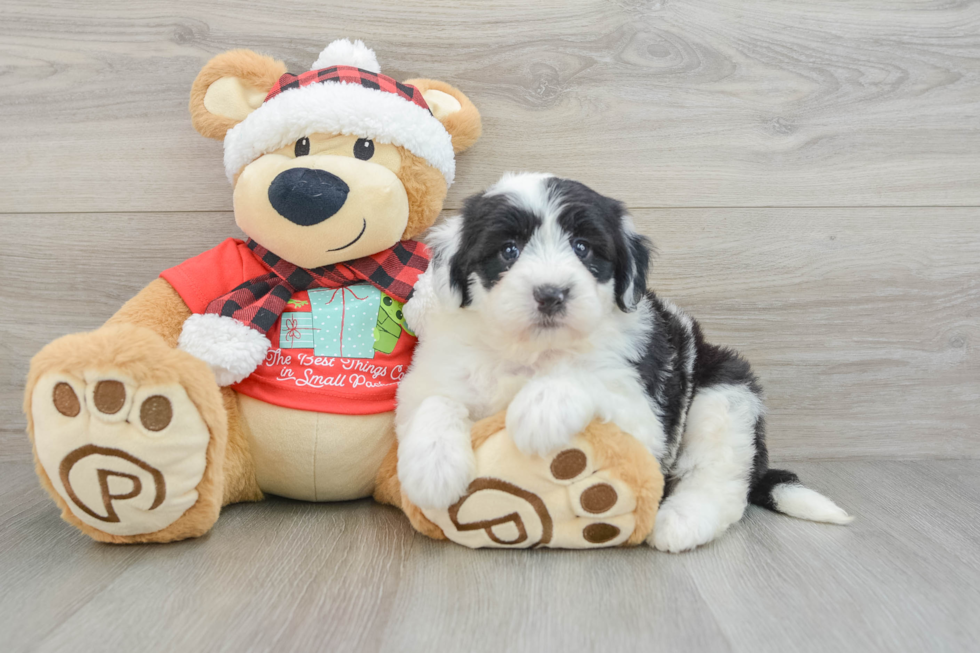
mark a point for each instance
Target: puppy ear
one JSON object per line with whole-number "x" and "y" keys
{"x": 459, "y": 278}
{"x": 453, "y": 109}
{"x": 632, "y": 266}
{"x": 229, "y": 87}
{"x": 449, "y": 264}
{"x": 451, "y": 260}
{"x": 443, "y": 239}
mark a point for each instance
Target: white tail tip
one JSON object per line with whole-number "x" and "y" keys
{"x": 803, "y": 503}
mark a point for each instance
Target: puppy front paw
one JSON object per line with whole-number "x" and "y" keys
{"x": 683, "y": 525}
{"x": 546, "y": 414}
{"x": 436, "y": 471}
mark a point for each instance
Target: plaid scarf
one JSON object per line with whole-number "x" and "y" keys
{"x": 259, "y": 302}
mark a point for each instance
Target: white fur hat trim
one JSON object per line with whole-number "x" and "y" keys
{"x": 340, "y": 108}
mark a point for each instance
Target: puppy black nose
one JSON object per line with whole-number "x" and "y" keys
{"x": 550, "y": 299}
{"x": 307, "y": 196}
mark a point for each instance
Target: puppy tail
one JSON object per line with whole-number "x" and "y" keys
{"x": 781, "y": 491}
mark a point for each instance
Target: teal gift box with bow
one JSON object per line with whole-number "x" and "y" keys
{"x": 343, "y": 320}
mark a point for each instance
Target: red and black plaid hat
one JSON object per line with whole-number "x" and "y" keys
{"x": 345, "y": 93}
{"x": 348, "y": 75}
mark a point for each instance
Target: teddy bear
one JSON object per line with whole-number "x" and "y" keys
{"x": 270, "y": 365}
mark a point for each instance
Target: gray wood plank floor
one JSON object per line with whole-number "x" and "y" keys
{"x": 809, "y": 172}
{"x": 284, "y": 575}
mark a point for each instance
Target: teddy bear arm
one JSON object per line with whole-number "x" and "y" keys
{"x": 158, "y": 308}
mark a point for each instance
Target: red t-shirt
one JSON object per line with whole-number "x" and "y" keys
{"x": 333, "y": 350}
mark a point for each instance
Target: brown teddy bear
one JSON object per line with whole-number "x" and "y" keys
{"x": 271, "y": 365}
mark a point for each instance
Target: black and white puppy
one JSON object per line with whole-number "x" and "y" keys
{"x": 536, "y": 301}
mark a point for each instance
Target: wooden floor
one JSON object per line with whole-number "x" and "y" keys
{"x": 810, "y": 173}
{"x": 291, "y": 576}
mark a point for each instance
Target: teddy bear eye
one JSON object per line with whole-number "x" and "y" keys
{"x": 364, "y": 149}
{"x": 302, "y": 147}
{"x": 387, "y": 301}
{"x": 399, "y": 315}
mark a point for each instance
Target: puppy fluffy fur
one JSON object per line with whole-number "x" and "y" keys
{"x": 536, "y": 303}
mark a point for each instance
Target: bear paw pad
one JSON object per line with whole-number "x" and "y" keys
{"x": 125, "y": 458}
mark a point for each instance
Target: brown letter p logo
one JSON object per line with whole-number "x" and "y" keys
{"x": 103, "y": 476}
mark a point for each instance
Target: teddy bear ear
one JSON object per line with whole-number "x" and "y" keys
{"x": 453, "y": 109}
{"x": 229, "y": 87}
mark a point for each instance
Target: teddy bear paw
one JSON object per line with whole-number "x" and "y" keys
{"x": 125, "y": 457}
{"x": 587, "y": 495}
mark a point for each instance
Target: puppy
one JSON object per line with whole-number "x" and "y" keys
{"x": 536, "y": 301}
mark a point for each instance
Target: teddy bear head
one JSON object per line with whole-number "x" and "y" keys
{"x": 336, "y": 163}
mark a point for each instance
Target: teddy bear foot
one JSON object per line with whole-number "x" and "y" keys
{"x": 123, "y": 447}
{"x": 602, "y": 490}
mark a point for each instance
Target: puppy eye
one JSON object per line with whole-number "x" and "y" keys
{"x": 364, "y": 149}
{"x": 581, "y": 247}
{"x": 510, "y": 251}
{"x": 302, "y": 147}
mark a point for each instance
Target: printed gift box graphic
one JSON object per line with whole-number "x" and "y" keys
{"x": 340, "y": 323}
{"x": 297, "y": 331}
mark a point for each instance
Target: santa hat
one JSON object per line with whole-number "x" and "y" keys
{"x": 344, "y": 93}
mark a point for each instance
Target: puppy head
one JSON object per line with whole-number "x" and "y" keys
{"x": 544, "y": 259}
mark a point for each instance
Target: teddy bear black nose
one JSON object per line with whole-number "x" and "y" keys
{"x": 307, "y": 196}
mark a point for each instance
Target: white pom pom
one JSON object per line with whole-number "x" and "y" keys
{"x": 232, "y": 349}
{"x": 344, "y": 53}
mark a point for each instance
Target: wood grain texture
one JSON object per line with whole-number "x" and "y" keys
{"x": 863, "y": 324}
{"x": 284, "y": 575}
{"x": 679, "y": 103}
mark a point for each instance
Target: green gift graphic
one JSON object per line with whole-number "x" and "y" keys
{"x": 344, "y": 320}
{"x": 391, "y": 323}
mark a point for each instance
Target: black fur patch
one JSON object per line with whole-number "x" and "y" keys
{"x": 662, "y": 368}
{"x": 665, "y": 380}
{"x": 641, "y": 250}
{"x": 488, "y": 224}
{"x": 760, "y": 493}
{"x": 720, "y": 365}
{"x": 667, "y": 383}
{"x": 599, "y": 220}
